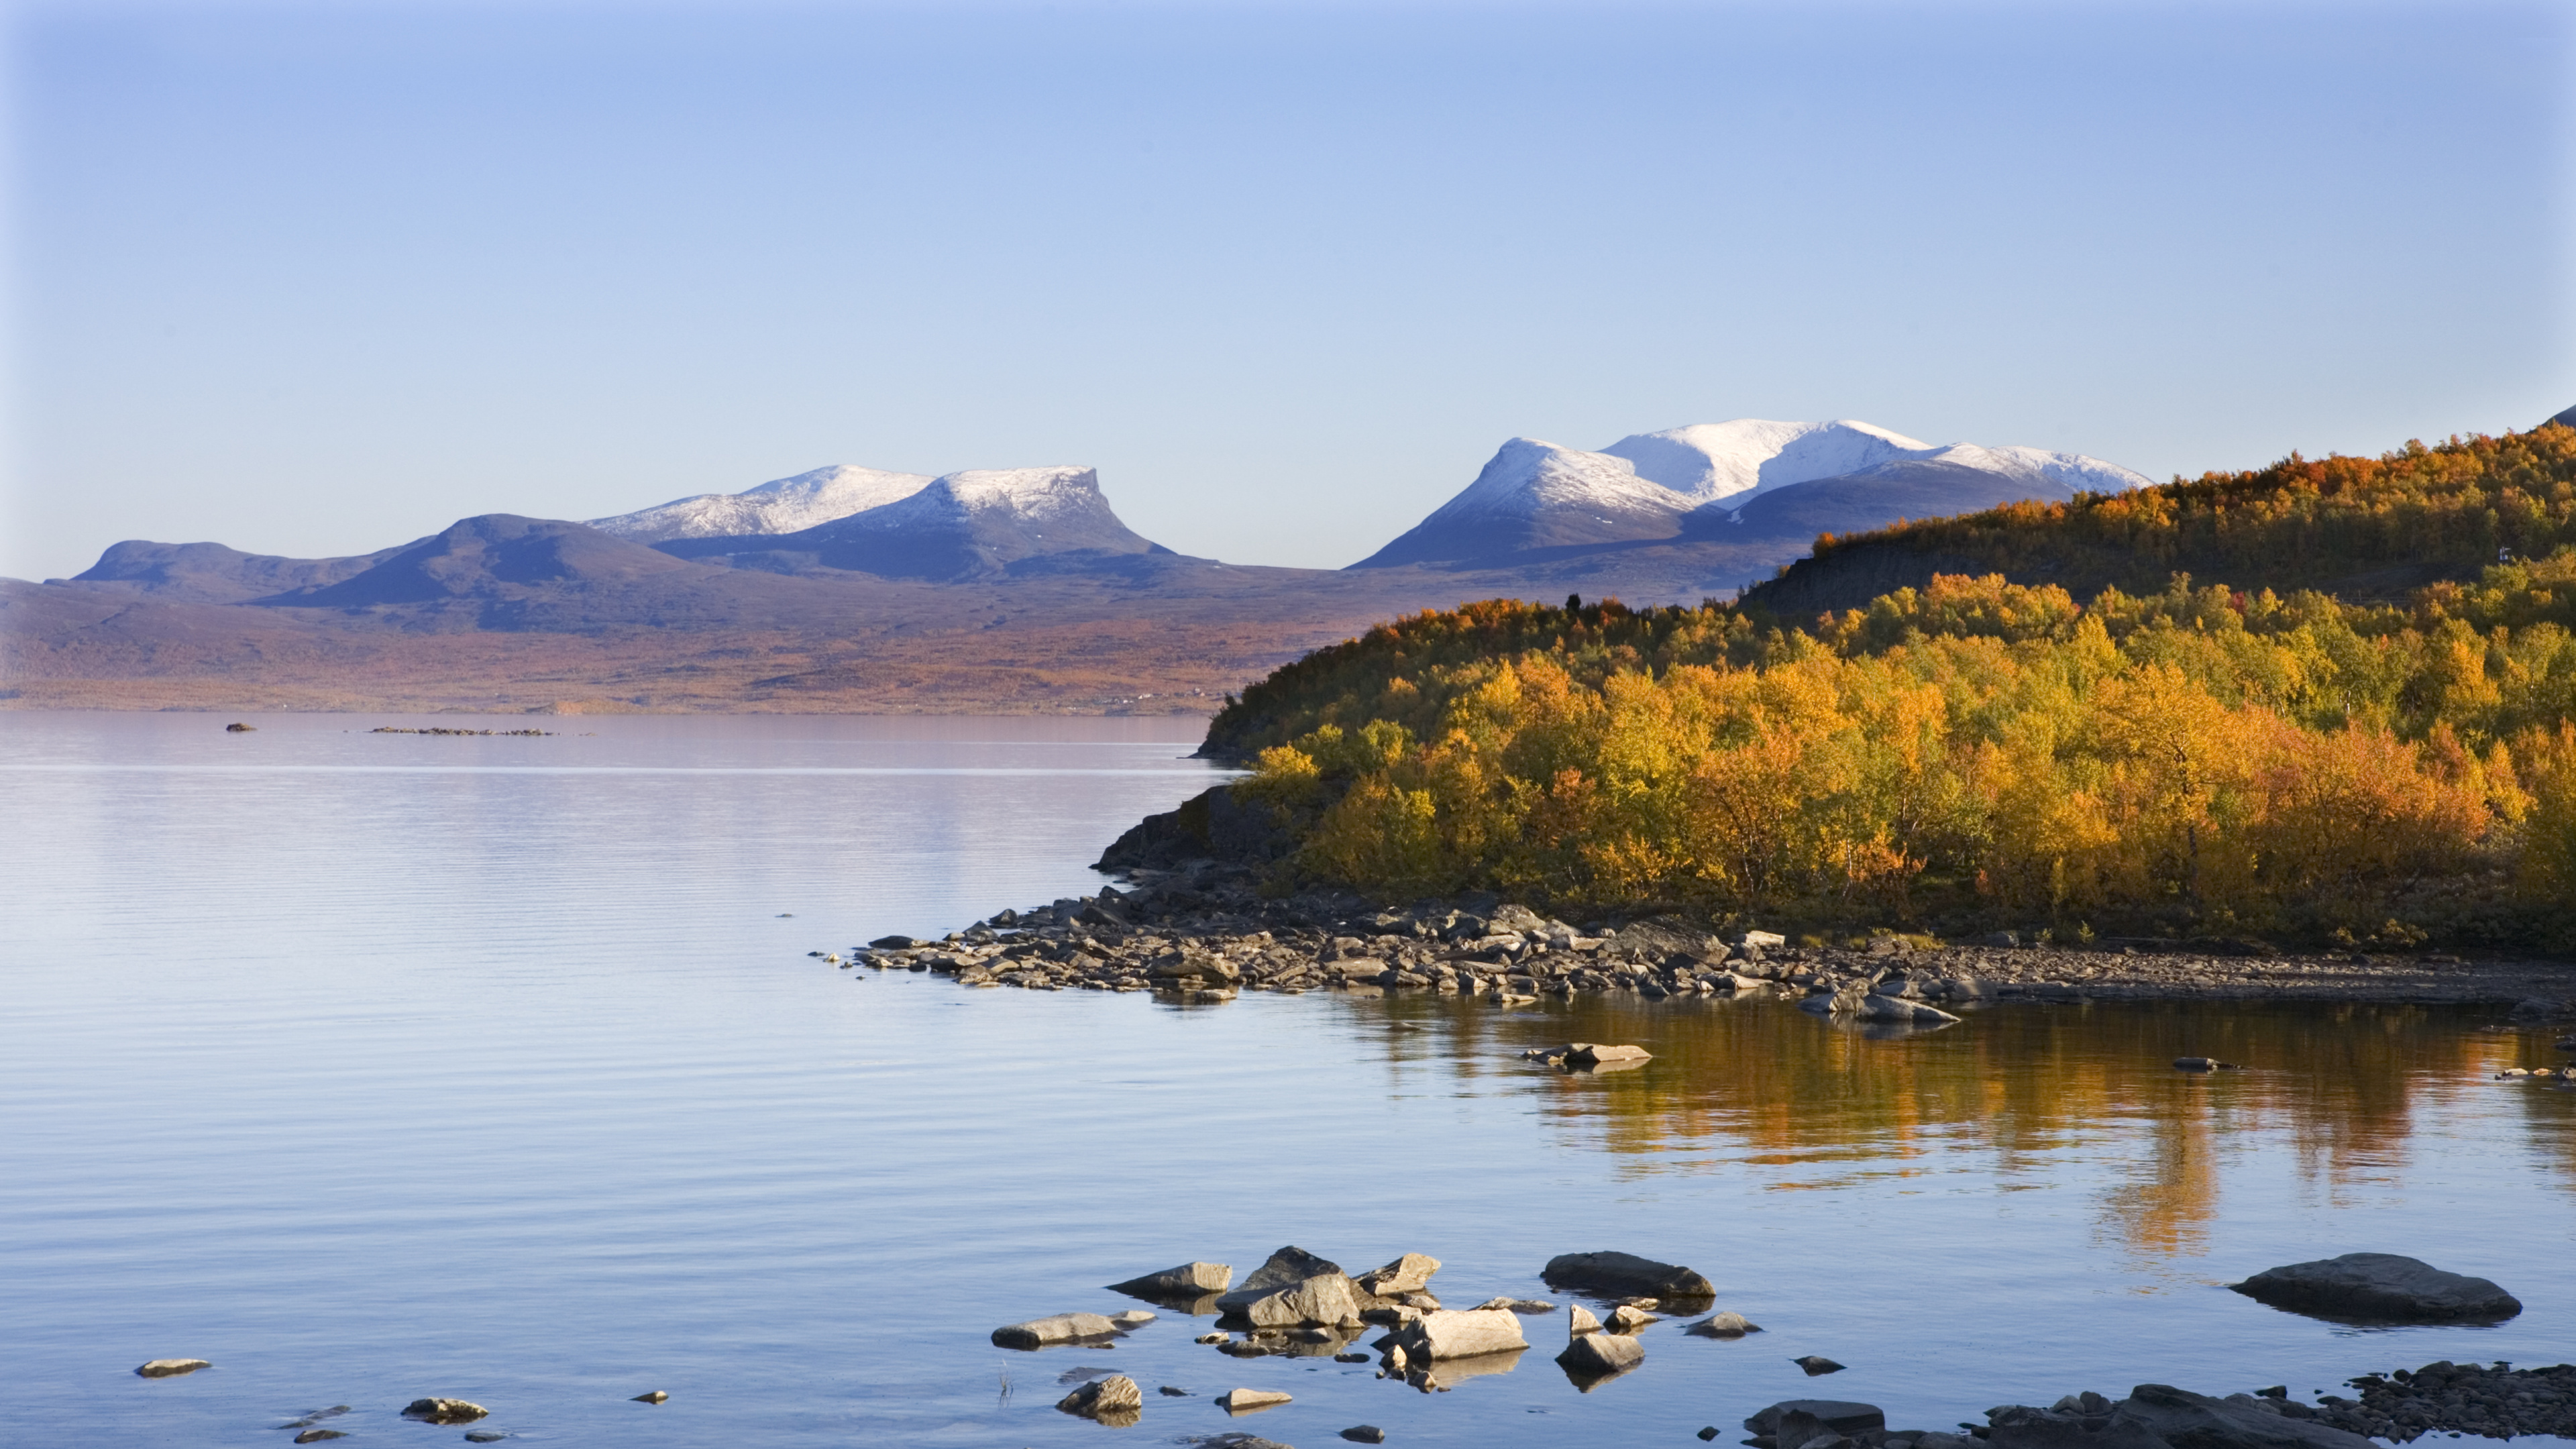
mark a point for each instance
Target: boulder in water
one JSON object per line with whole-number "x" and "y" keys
{"x": 2379, "y": 1288}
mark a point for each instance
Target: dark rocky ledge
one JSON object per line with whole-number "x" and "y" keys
{"x": 1202, "y": 929}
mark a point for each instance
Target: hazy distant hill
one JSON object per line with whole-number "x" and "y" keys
{"x": 856, "y": 589}
{"x": 210, "y": 573}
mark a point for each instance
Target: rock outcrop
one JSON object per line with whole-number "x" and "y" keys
{"x": 2380, "y": 1288}
{"x": 1624, "y": 1274}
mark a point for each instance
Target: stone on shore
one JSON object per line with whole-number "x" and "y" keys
{"x": 171, "y": 1368}
{"x": 1106, "y": 1399}
{"x": 445, "y": 1411}
{"x": 1723, "y": 1325}
{"x": 1250, "y": 1401}
{"x": 1189, "y": 1280}
{"x": 1408, "y": 1274}
{"x": 1599, "y": 1355}
{"x": 2379, "y": 1288}
{"x": 1059, "y": 1328}
{"x": 1460, "y": 1333}
{"x": 1625, "y": 1273}
{"x": 1284, "y": 1269}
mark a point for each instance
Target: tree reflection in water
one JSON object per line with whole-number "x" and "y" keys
{"x": 2010, "y": 1091}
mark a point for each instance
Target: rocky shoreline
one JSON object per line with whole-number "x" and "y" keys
{"x": 1203, "y": 932}
{"x": 1302, "y": 1306}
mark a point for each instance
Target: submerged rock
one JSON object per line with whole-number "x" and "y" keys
{"x": 1250, "y": 1401}
{"x": 1599, "y": 1355}
{"x": 1459, "y": 1333}
{"x": 1723, "y": 1325}
{"x": 1285, "y": 1268}
{"x": 1113, "y": 1398}
{"x": 2379, "y": 1288}
{"x": 1189, "y": 1280}
{"x": 1408, "y": 1274}
{"x": 1059, "y": 1328}
{"x": 317, "y": 1436}
{"x": 1588, "y": 1054}
{"x": 1326, "y": 1298}
{"x": 1843, "y": 1416}
{"x": 1623, "y": 1273}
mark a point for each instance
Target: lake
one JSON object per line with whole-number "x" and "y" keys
{"x": 376, "y": 1066}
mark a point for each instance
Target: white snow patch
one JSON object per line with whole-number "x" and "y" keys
{"x": 783, "y": 505}
{"x": 1749, "y": 456}
{"x": 1032, "y": 494}
{"x": 1529, "y": 476}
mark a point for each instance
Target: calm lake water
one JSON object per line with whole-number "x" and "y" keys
{"x": 380, "y": 1066}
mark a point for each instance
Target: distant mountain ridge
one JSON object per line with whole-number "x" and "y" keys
{"x": 957, "y": 526}
{"x": 1666, "y": 517}
{"x": 782, "y": 505}
{"x": 1714, "y": 482}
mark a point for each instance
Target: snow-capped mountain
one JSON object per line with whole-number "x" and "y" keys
{"x": 1748, "y": 456}
{"x": 782, "y": 505}
{"x": 956, "y": 525}
{"x": 1536, "y": 494}
{"x": 1690, "y": 481}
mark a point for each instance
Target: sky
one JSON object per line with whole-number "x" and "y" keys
{"x": 318, "y": 280}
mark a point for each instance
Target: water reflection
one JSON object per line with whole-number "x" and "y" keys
{"x": 2010, "y": 1093}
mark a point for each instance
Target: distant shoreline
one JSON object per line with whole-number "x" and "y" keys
{"x": 1205, "y": 933}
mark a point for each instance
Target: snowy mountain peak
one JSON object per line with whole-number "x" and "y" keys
{"x": 1538, "y": 499}
{"x": 2073, "y": 472}
{"x": 1738, "y": 459}
{"x": 782, "y": 505}
{"x": 1026, "y": 495}
{"x": 1530, "y": 473}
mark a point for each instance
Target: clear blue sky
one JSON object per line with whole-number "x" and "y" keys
{"x": 319, "y": 279}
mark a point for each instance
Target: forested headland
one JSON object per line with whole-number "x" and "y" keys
{"x": 2193, "y": 710}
